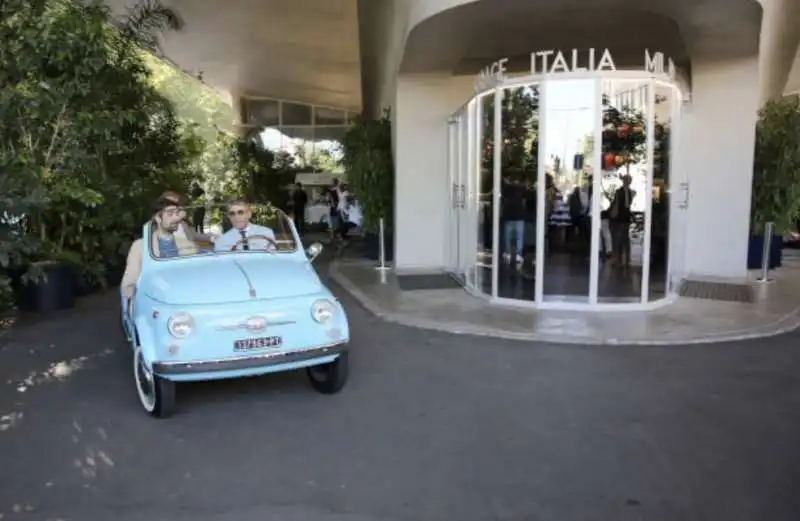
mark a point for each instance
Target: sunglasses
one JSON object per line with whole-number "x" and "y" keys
{"x": 235, "y": 213}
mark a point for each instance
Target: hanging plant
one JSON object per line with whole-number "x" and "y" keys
{"x": 369, "y": 166}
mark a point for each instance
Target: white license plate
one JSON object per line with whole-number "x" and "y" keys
{"x": 264, "y": 342}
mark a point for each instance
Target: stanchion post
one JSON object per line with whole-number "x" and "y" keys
{"x": 769, "y": 230}
{"x": 382, "y": 267}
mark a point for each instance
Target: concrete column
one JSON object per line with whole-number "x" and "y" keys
{"x": 780, "y": 39}
{"x": 235, "y": 101}
{"x": 422, "y": 107}
{"x": 717, "y": 135}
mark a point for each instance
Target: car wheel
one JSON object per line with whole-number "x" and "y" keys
{"x": 329, "y": 378}
{"x": 156, "y": 394}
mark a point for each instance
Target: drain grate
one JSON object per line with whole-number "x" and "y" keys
{"x": 716, "y": 291}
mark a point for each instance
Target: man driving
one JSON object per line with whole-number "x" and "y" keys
{"x": 238, "y": 237}
{"x": 165, "y": 242}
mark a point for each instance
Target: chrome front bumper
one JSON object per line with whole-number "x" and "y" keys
{"x": 246, "y": 362}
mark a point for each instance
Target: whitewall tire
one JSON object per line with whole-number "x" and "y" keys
{"x": 156, "y": 394}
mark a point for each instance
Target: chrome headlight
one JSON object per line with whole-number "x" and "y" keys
{"x": 180, "y": 325}
{"x": 323, "y": 310}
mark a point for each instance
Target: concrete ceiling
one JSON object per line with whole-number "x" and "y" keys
{"x": 299, "y": 50}
{"x": 471, "y": 36}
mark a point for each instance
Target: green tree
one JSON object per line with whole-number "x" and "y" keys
{"x": 193, "y": 101}
{"x": 84, "y": 127}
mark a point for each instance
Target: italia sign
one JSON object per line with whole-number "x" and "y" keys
{"x": 557, "y": 62}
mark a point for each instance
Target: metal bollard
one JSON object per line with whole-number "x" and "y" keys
{"x": 382, "y": 267}
{"x": 769, "y": 230}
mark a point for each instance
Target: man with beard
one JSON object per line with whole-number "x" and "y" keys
{"x": 165, "y": 243}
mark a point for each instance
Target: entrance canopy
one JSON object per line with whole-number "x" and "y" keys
{"x": 467, "y": 37}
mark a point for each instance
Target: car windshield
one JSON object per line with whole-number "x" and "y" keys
{"x": 234, "y": 229}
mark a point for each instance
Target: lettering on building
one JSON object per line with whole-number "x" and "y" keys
{"x": 557, "y": 62}
{"x": 492, "y": 75}
{"x": 554, "y": 62}
{"x": 655, "y": 63}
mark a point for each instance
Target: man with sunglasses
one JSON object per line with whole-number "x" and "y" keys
{"x": 239, "y": 214}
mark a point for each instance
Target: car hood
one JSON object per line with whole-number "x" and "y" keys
{"x": 230, "y": 278}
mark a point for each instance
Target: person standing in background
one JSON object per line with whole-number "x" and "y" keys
{"x": 300, "y": 200}
{"x": 512, "y": 209}
{"x": 334, "y": 195}
{"x": 199, "y": 216}
{"x": 620, "y": 222}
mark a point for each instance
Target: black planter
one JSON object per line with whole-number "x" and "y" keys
{"x": 56, "y": 292}
{"x": 755, "y": 250}
{"x": 372, "y": 246}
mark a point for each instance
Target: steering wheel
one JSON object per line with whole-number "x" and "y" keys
{"x": 271, "y": 244}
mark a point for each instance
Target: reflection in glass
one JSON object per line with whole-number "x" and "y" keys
{"x": 659, "y": 234}
{"x": 624, "y": 186}
{"x": 520, "y": 149}
{"x": 315, "y": 149}
{"x": 325, "y": 116}
{"x": 569, "y": 121}
{"x": 261, "y": 112}
{"x": 484, "y": 187}
{"x": 295, "y": 114}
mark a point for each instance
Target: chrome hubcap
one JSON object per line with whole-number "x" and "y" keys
{"x": 144, "y": 379}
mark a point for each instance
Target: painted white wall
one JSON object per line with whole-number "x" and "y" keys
{"x": 422, "y": 107}
{"x": 717, "y": 137}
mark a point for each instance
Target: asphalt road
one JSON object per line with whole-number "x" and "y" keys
{"x": 430, "y": 427}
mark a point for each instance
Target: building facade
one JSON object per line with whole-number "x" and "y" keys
{"x": 449, "y": 71}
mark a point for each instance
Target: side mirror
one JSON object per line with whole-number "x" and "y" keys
{"x": 313, "y": 251}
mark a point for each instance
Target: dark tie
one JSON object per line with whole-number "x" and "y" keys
{"x": 245, "y": 245}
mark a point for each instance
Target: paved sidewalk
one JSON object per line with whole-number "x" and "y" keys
{"x": 686, "y": 321}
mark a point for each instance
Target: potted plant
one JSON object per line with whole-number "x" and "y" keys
{"x": 369, "y": 166}
{"x": 776, "y": 178}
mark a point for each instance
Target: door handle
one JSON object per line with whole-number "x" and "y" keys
{"x": 684, "y": 187}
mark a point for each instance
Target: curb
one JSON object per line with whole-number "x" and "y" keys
{"x": 786, "y": 324}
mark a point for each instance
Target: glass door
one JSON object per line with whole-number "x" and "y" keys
{"x": 454, "y": 178}
{"x": 676, "y": 185}
{"x": 469, "y": 217}
{"x": 567, "y": 210}
{"x": 463, "y": 231}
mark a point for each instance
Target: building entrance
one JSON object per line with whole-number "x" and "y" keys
{"x": 562, "y": 190}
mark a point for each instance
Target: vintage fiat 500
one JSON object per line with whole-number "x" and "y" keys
{"x": 244, "y": 302}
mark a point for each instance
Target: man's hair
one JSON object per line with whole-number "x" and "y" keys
{"x": 238, "y": 202}
{"x": 161, "y": 204}
{"x": 335, "y": 181}
{"x": 299, "y": 184}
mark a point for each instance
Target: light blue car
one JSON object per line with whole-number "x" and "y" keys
{"x": 243, "y": 308}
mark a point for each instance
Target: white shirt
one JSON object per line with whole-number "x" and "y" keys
{"x": 343, "y": 194}
{"x": 354, "y": 214}
{"x": 226, "y": 241}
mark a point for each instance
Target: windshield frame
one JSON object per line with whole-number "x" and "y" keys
{"x": 210, "y": 222}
